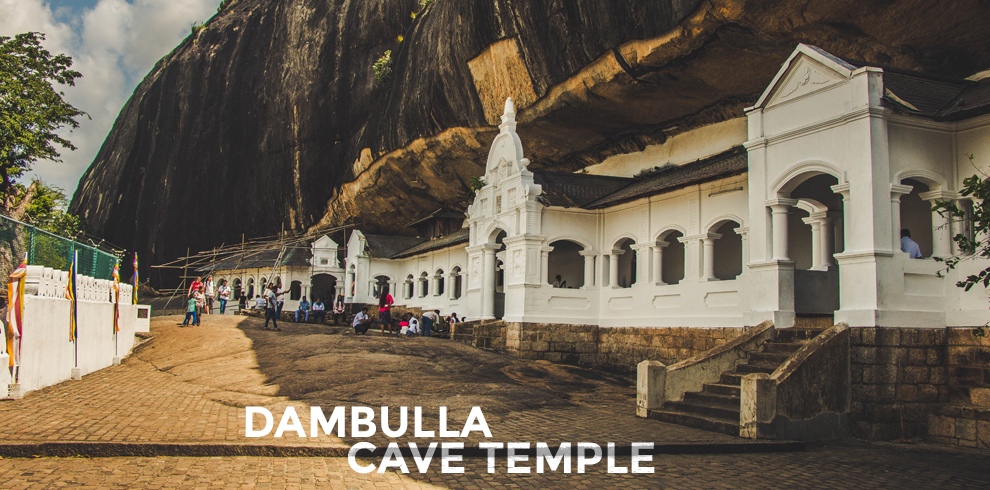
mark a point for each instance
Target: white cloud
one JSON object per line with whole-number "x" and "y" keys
{"x": 113, "y": 44}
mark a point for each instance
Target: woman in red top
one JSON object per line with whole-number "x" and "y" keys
{"x": 385, "y": 303}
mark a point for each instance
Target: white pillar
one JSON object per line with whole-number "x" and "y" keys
{"x": 780, "y": 208}
{"x": 589, "y": 268}
{"x": 545, "y": 265}
{"x": 827, "y": 261}
{"x": 488, "y": 284}
{"x": 643, "y": 253}
{"x": 658, "y": 262}
{"x": 896, "y": 191}
{"x": 816, "y": 241}
{"x": 941, "y": 225}
{"x": 613, "y": 268}
{"x": 743, "y": 232}
{"x": 708, "y": 262}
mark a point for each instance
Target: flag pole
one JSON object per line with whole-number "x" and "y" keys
{"x": 75, "y": 304}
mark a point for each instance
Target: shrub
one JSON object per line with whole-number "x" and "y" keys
{"x": 383, "y": 67}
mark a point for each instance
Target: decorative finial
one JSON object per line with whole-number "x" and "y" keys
{"x": 509, "y": 107}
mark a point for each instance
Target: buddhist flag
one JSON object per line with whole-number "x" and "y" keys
{"x": 71, "y": 293}
{"x": 116, "y": 296}
{"x": 134, "y": 293}
{"x": 15, "y": 312}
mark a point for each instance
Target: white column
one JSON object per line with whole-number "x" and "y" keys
{"x": 816, "y": 241}
{"x": 708, "y": 262}
{"x": 896, "y": 191}
{"x": 743, "y": 232}
{"x": 545, "y": 265}
{"x": 941, "y": 225}
{"x": 613, "y": 268}
{"x": 658, "y": 262}
{"x": 589, "y": 268}
{"x": 488, "y": 284}
{"x": 643, "y": 253}
{"x": 780, "y": 208}
{"x": 827, "y": 225}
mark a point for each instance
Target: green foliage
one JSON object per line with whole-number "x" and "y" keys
{"x": 424, "y": 3}
{"x": 31, "y": 110}
{"x": 224, "y": 4}
{"x": 383, "y": 67}
{"x": 978, "y": 244}
{"x": 47, "y": 211}
{"x": 195, "y": 28}
{"x": 475, "y": 184}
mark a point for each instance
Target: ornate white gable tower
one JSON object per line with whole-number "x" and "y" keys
{"x": 506, "y": 240}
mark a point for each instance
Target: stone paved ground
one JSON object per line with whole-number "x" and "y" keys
{"x": 190, "y": 386}
{"x": 838, "y": 465}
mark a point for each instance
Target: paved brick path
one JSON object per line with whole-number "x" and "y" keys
{"x": 140, "y": 403}
{"x": 840, "y": 465}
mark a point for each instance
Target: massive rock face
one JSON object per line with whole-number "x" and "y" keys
{"x": 270, "y": 117}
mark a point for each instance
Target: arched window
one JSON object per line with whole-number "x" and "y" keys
{"x": 438, "y": 277}
{"x": 728, "y": 252}
{"x": 381, "y": 284}
{"x": 295, "y": 290}
{"x": 410, "y": 284}
{"x": 236, "y": 287}
{"x": 916, "y": 216}
{"x": 250, "y": 287}
{"x": 626, "y": 263}
{"x": 672, "y": 270}
{"x": 424, "y": 284}
{"x": 456, "y": 280}
{"x": 565, "y": 265}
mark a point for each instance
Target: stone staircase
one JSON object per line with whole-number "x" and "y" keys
{"x": 716, "y": 406}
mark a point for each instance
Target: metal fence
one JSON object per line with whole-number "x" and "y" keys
{"x": 49, "y": 250}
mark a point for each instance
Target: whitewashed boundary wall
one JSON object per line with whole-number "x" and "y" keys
{"x": 47, "y": 354}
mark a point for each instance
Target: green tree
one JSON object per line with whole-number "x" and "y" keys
{"x": 31, "y": 110}
{"x": 976, "y": 244}
{"x": 47, "y": 211}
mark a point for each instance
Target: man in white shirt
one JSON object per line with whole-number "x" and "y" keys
{"x": 210, "y": 291}
{"x": 319, "y": 311}
{"x": 908, "y": 245}
{"x": 362, "y": 322}
{"x": 430, "y": 319}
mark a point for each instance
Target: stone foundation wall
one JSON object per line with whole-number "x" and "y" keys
{"x": 614, "y": 347}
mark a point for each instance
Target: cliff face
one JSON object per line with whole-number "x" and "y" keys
{"x": 271, "y": 116}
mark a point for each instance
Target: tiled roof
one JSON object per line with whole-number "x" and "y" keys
{"x": 385, "y": 246}
{"x": 461, "y": 236}
{"x": 732, "y": 162}
{"x": 920, "y": 95}
{"x": 297, "y": 256}
{"x": 972, "y": 102}
{"x": 442, "y": 213}
{"x": 574, "y": 190}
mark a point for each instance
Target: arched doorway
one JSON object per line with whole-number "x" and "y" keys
{"x": 624, "y": 261}
{"x": 381, "y": 286}
{"x": 672, "y": 258}
{"x": 916, "y": 216}
{"x": 728, "y": 251}
{"x": 323, "y": 286}
{"x": 250, "y": 288}
{"x": 498, "y": 296}
{"x": 236, "y": 288}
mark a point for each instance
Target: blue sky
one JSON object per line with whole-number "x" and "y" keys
{"x": 114, "y": 44}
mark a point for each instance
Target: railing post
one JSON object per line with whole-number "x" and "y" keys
{"x": 651, "y": 386}
{"x": 757, "y": 404}
{"x": 33, "y": 234}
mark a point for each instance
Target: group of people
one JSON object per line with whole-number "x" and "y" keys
{"x": 409, "y": 325}
{"x": 319, "y": 309}
{"x": 200, "y": 298}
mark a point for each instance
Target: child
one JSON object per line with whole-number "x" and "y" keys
{"x": 413, "y": 325}
{"x": 190, "y": 312}
{"x": 200, "y": 304}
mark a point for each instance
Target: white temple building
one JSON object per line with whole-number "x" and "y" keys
{"x": 795, "y": 209}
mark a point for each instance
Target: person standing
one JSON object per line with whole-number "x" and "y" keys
{"x": 190, "y": 312}
{"x": 339, "y": 307}
{"x": 271, "y": 308}
{"x": 430, "y": 318}
{"x": 223, "y": 292}
{"x": 385, "y": 303}
{"x": 200, "y": 304}
{"x": 209, "y": 290}
{"x": 319, "y": 311}
{"x": 195, "y": 285}
{"x": 242, "y": 302}
{"x": 304, "y": 309}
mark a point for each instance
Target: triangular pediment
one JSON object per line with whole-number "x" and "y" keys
{"x": 806, "y": 71}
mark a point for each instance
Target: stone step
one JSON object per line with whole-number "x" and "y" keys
{"x": 714, "y": 424}
{"x": 730, "y": 402}
{"x": 796, "y": 333}
{"x": 721, "y": 389}
{"x": 782, "y": 347}
{"x": 756, "y": 368}
{"x": 704, "y": 409}
{"x": 733, "y": 379}
{"x": 817, "y": 322}
{"x": 768, "y": 357}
